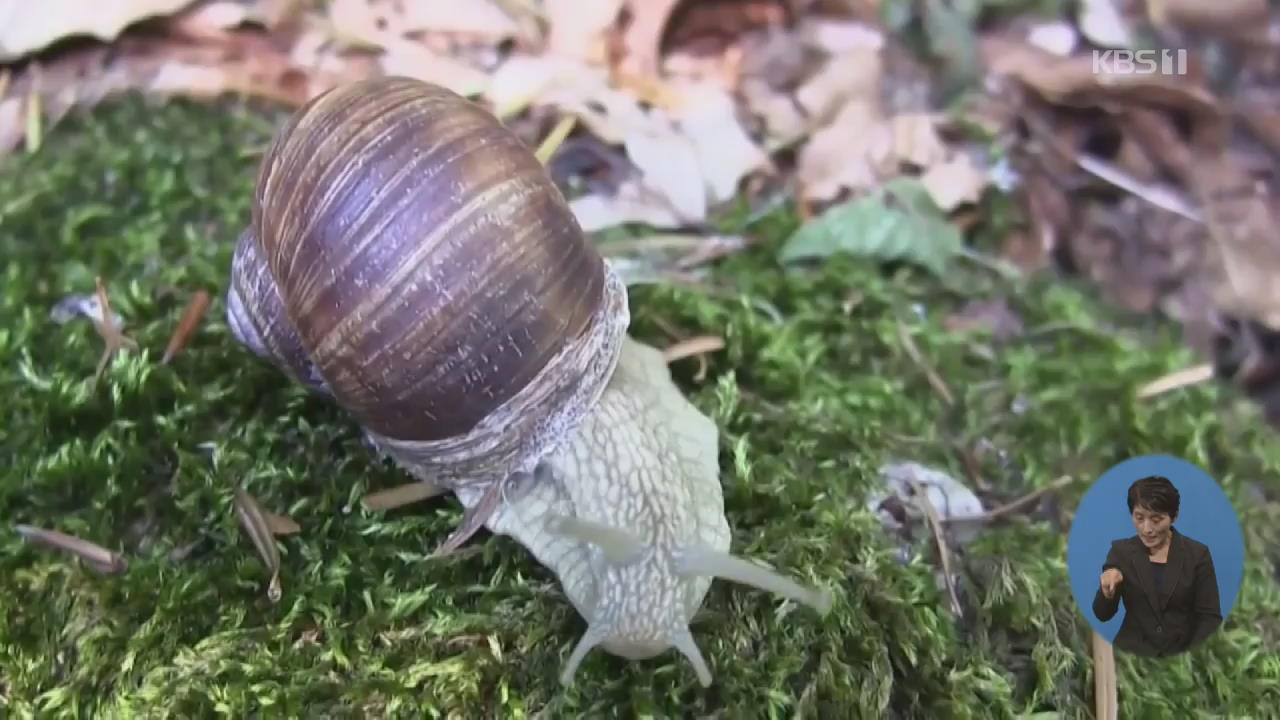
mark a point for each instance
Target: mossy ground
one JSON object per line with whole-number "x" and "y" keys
{"x": 810, "y": 403}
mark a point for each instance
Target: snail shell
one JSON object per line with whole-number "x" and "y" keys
{"x": 411, "y": 258}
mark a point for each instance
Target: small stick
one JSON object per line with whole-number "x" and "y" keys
{"x": 1105, "y": 696}
{"x": 1175, "y": 380}
{"x": 553, "y": 140}
{"x": 400, "y": 495}
{"x": 930, "y": 374}
{"x": 696, "y": 346}
{"x": 692, "y": 346}
{"x": 111, "y": 335}
{"x": 98, "y": 557}
{"x": 186, "y": 326}
{"x": 944, "y": 553}
{"x": 1015, "y": 504}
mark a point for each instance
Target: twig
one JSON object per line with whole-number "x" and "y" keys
{"x": 1156, "y": 195}
{"x": 551, "y": 143}
{"x": 111, "y": 335}
{"x": 694, "y": 346}
{"x": 187, "y": 325}
{"x": 1175, "y": 380}
{"x": 101, "y": 559}
{"x": 1016, "y": 504}
{"x": 944, "y": 552}
{"x": 1105, "y": 696}
{"x": 930, "y": 374}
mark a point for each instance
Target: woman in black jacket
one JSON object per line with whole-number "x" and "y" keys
{"x": 1166, "y": 579}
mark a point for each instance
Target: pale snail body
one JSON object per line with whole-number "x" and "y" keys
{"x": 629, "y": 515}
{"x": 410, "y": 258}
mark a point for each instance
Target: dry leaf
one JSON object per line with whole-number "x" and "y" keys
{"x": 413, "y": 59}
{"x": 838, "y": 36}
{"x": 852, "y": 76}
{"x": 632, "y": 202}
{"x": 1241, "y": 18}
{"x": 643, "y": 36}
{"x": 1241, "y": 224}
{"x": 1059, "y": 38}
{"x": 211, "y": 20}
{"x": 707, "y": 118}
{"x": 241, "y": 62}
{"x": 376, "y": 21}
{"x": 915, "y": 140}
{"x": 578, "y": 29}
{"x": 23, "y": 31}
{"x": 1101, "y": 22}
{"x": 955, "y": 182}
{"x": 849, "y": 153}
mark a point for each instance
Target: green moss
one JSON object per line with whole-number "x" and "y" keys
{"x": 811, "y": 401}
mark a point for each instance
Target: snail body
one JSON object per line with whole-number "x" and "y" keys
{"x": 629, "y": 515}
{"x": 410, "y": 258}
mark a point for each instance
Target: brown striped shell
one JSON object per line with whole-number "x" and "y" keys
{"x": 411, "y": 257}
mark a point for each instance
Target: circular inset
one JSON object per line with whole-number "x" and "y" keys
{"x": 1155, "y": 556}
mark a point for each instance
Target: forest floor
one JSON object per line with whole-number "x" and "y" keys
{"x": 828, "y": 373}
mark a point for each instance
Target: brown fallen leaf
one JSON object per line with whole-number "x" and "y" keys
{"x": 23, "y": 31}
{"x": 1241, "y": 19}
{"x": 581, "y": 30}
{"x": 395, "y": 29}
{"x": 210, "y": 20}
{"x": 242, "y": 62}
{"x": 1241, "y": 223}
{"x": 1102, "y": 22}
{"x": 281, "y": 524}
{"x": 1159, "y": 138}
{"x": 642, "y": 39}
{"x": 1071, "y": 81}
{"x": 852, "y": 153}
{"x": 253, "y": 520}
{"x": 374, "y": 21}
{"x": 955, "y": 182}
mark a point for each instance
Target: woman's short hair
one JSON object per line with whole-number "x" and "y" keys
{"x": 1154, "y": 492}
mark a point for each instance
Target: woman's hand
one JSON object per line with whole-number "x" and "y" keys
{"x": 1111, "y": 579}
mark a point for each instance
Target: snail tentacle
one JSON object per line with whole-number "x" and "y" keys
{"x": 697, "y": 560}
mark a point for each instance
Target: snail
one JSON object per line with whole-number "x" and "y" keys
{"x": 410, "y": 258}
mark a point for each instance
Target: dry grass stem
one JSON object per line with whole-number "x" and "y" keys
{"x": 1177, "y": 380}
{"x": 944, "y": 551}
{"x": 98, "y": 557}
{"x": 191, "y": 318}
{"x": 935, "y": 380}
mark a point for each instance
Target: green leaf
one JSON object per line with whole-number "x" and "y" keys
{"x": 897, "y": 221}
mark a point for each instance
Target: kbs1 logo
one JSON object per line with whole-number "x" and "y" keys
{"x": 1140, "y": 62}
